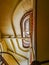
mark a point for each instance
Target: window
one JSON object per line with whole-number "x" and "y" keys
{"x": 26, "y": 28}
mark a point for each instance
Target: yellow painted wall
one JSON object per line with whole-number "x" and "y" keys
{"x": 42, "y": 24}
{"x": 6, "y": 9}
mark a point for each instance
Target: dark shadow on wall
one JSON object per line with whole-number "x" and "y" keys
{"x": 43, "y": 30}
